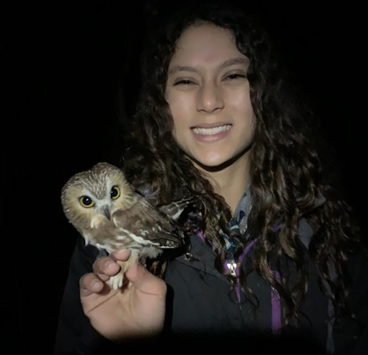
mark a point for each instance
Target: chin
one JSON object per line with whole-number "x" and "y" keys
{"x": 215, "y": 162}
{"x": 211, "y": 163}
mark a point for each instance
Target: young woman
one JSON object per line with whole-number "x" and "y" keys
{"x": 274, "y": 252}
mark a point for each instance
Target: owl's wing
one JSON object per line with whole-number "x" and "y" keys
{"x": 142, "y": 220}
{"x": 175, "y": 209}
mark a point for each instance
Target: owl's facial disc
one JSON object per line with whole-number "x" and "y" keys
{"x": 101, "y": 207}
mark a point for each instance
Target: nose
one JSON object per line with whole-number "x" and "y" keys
{"x": 209, "y": 98}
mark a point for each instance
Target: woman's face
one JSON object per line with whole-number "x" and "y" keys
{"x": 209, "y": 98}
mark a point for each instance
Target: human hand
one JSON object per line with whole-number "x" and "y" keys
{"x": 135, "y": 310}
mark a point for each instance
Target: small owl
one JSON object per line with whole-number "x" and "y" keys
{"x": 109, "y": 214}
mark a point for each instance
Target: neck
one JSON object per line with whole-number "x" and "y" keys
{"x": 229, "y": 180}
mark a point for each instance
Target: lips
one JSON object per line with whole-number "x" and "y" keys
{"x": 211, "y": 132}
{"x": 210, "y": 129}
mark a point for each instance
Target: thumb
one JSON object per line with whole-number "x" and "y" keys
{"x": 145, "y": 281}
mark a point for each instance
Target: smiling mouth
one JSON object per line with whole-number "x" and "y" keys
{"x": 211, "y": 131}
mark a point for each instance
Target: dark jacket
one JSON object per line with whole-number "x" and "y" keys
{"x": 200, "y": 311}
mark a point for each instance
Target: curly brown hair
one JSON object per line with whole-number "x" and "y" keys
{"x": 287, "y": 176}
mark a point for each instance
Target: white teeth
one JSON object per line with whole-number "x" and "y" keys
{"x": 211, "y": 131}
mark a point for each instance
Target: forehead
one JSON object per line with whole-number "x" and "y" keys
{"x": 205, "y": 44}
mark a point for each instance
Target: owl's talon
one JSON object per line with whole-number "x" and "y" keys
{"x": 116, "y": 281}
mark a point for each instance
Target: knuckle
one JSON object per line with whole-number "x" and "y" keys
{"x": 84, "y": 281}
{"x": 105, "y": 267}
{"x": 100, "y": 264}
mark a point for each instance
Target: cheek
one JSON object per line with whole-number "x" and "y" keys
{"x": 241, "y": 100}
{"x": 242, "y": 109}
{"x": 180, "y": 109}
{"x": 245, "y": 118}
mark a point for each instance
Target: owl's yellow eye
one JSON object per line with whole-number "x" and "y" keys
{"x": 86, "y": 202}
{"x": 115, "y": 193}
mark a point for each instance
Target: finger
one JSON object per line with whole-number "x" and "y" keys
{"x": 105, "y": 267}
{"x": 144, "y": 281}
{"x": 122, "y": 255}
{"x": 89, "y": 284}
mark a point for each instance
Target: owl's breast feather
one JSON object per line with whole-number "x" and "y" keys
{"x": 97, "y": 220}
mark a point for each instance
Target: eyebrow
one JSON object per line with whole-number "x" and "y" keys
{"x": 227, "y": 63}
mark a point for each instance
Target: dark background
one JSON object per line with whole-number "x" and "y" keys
{"x": 65, "y": 63}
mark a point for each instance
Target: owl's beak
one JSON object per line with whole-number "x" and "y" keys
{"x": 106, "y": 212}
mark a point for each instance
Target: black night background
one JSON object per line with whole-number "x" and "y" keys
{"x": 67, "y": 61}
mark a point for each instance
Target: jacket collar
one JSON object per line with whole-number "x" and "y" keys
{"x": 202, "y": 257}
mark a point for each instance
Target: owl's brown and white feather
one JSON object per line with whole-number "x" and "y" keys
{"x": 109, "y": 214}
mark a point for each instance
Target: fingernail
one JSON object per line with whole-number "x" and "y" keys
{"x": 121, "y": 253}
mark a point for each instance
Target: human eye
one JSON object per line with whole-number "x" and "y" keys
{"x": 184, "y": 82}
{"x": 235, "y": 76}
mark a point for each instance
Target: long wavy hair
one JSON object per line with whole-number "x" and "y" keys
{"x": 287, "y": 176}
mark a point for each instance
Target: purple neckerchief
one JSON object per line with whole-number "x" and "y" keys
{"x": 245, "y": 251}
